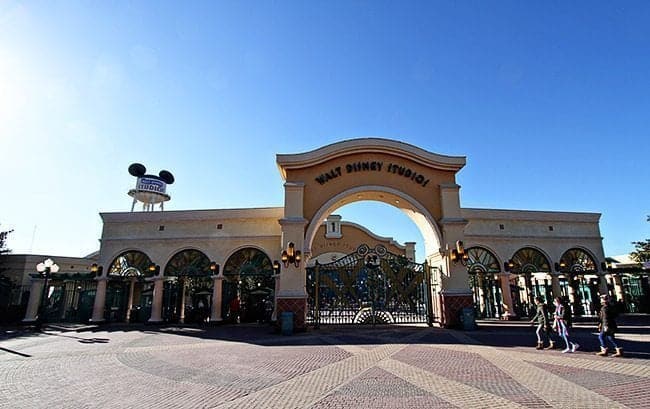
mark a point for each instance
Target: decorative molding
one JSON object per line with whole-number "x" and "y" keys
{"x": 293, "y": 220}
{"x": 291, "y": 294}
{"x": 529, "y": 215}
{"x": 368, "y": 145}
{"x": 186, "y": 238}
{"x": 377, "y": 237}
{"x": 452, "y": 220}
{"x": 193, "y": 215}
{"x": 514, "y": 236}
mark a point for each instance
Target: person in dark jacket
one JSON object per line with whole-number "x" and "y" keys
{"x": 607, "y": 327}
{"x": 541, "y": 319}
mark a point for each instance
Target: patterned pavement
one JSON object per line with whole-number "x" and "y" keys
{"x": 362, "y": 367}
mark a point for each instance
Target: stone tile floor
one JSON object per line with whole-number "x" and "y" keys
{"x": 334, "y": 367}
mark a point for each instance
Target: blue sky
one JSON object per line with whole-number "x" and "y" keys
{"x": 549, "y": 101}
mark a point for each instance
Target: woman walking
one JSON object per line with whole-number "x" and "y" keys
{"x": 541, "y": 320}
{"x": 607, "y": 328}
{"x": 560, "y": 325}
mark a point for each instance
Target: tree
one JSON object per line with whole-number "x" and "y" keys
{"x": 642, "y": 250}
{"x": 3, "y": 249}
{"x": 6, "y": 285}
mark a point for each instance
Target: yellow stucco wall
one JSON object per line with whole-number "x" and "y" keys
{"x": 352, "y": 237}
{"x": 340, "y": 174}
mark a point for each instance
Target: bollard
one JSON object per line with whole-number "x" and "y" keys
{"x": 286, "y": 323}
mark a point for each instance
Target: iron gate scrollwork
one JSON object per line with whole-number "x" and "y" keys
{"x": 369, "y": 286}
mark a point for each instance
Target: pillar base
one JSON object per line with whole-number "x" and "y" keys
{"x": 452, "y": 304}
{"x": 299, "y": 308}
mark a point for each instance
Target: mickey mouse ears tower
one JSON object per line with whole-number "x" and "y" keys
{"x": 149, "y": 189}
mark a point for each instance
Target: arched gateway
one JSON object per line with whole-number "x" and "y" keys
{"x": 420, "y": 183}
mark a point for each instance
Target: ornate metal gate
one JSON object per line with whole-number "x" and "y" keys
{"x": 370, "y": 286}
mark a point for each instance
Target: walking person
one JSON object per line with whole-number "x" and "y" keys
{"x": 561, "y": 326}
{"x": 541, "y": 319}
{"x": 607, "y": 327}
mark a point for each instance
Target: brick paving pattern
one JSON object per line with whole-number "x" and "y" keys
{"x": 330, "y": 368}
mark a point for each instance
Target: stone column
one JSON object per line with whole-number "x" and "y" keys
{"x": 217, "y": 298}
{"x": 35, "y": 295}
{"x": 618, "y": 288}
{"x": 292, "y": 294}
{"x": 455, "y": 293}
{"x": 574, "y": 298}
{"x": 181, "y": 317}
{"x": 100, "y": 300}
{"x": 156, "y": 308}
{"x": 506, "y": 296}
{"x": 555, "y": 285}
{"x": 602, "y": 284}
{"x": 65, "y": 298}
{"x": 129, "y": 305}
{"x": 274, "y": 315}
{"x": 409, "y": 252}
{"x": 480, "y": 282}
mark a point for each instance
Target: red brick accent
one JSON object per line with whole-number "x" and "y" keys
{"x": 299, "y": 308}
{"x": 451, "y": 305}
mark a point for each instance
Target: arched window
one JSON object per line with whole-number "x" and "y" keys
{"x": 482, "y": 260}
{"x": 248, "y": 261}
{"x": 131, "y": 263}
{"x": 188, "y": 263}
{"x": 577, "y": 260}
{"x": 530, "y": 260}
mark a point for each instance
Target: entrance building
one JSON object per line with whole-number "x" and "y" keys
{"x": 251, "y": 265}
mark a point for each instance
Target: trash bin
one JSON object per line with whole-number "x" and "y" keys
{"x": 286, "y": 323}
{"x": 468, "y": 319}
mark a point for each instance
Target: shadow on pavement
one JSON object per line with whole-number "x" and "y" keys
{"x": 632, "y": 336}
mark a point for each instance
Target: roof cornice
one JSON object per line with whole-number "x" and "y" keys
{"x": 368, "y": 145}
{"x": 193, "y": 215}
{"x": 529, "y": 215}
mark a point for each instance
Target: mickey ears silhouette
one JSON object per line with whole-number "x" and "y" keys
{"x": 138, "y": 170}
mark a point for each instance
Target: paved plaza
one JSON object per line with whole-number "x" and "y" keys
{"x": 358, "y": 367}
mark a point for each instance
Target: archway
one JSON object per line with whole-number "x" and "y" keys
{"x": 483, "y": 268}
{"x": 249, "y": 288}
{"x": 128, "y": 296}
{"x": 579, "y": 281}
{"x": 188, "y": 287}
{"x": 418, "y": 214}
{"x": 531, "y": 270}
{"x": 420, "y": 183}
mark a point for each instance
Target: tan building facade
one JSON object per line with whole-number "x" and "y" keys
{"x": 215, "y": 265}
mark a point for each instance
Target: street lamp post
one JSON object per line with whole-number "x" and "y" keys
{"x": 45, "y": 268}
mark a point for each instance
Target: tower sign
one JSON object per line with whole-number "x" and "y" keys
{"x": 149, "y": 189}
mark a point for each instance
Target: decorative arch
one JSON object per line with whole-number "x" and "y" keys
{"x": 407, "y": 204}
{"x": 248, "y": 261}
{"x": 422, "y": 184}
{"x": 189, "y": 262}
{"x": 130, "y": 263}
{"x": 577, "y": 260}
{"x": 530, "y": 260}
{"x": 482, "y": 260}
